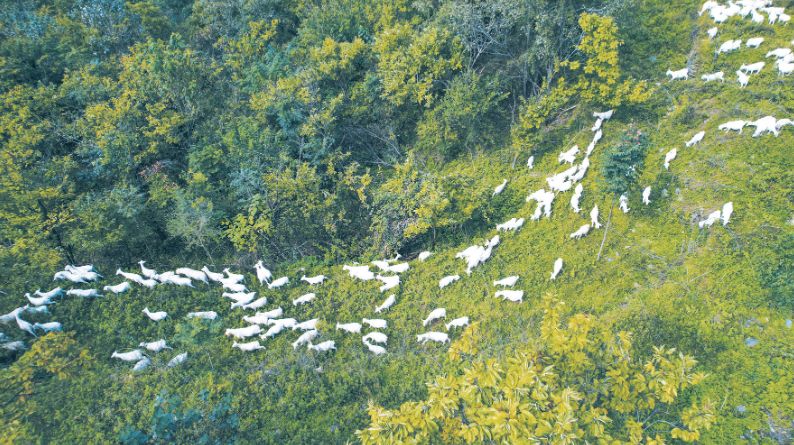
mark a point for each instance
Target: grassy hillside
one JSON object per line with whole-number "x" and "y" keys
{"x": 704, "y": 292}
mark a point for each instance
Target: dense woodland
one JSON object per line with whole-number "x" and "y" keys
{"x": 314, "y": 133}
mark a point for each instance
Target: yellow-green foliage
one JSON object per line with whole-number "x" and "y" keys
{"x": 580, "y": 383}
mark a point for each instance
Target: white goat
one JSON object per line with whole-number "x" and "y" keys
{"x": 742, "y": 78}
{"x": 314, "y": 280}
{"x": 387, "y": 303}
{"x": 256, "y": 304}
{"x": 303, "y": 299}
{"x": 84, "y": 293}
{"x": 457, "y": 323}
{"x": 577, "y": 195}
{"x": 118, "y": 288}
{"x": 352, "y": 328}
{"x": 389, "y": 282}
{"x": 376, "y": 337}
{"x": 244, "y": 332}
{"x": 308, "y": 325}
{"x": 438, "y": 337}
{"x": 568, "y": 156}
{"x": 177, "y": 360}
{"x": 376, "y": 323}
{"x": 324, "y": 346}
{"x": 155, "y": 346}
{"x": 754, "y": 42}
{"x": 696, "y": 138}
{"x": 507, "y": 282}
{"x": 262, "y": 273}
{"x": 594, "y": 218}
{"x": 204, "y": 315}
{"x": 375, "y": 349}
{"x": 668, "y": 157}
{"x": 446, "y": 281}
{"x": 278, "y": 282}
{"x": 434, "y": 315}
{"x": 359, "y": 272}
{"x": 623, "y": 203}
{"x": 646, "y": 195}
{"x": 424, "y": 255}
{"x": 678, "y": 74}
{"x": 727, "y": 211}
{"x": 557, "y": 268}
{"x": 193, "y": 274}
{"x": 581, "y": 232}
{"x": 719, "y": 75}
{"x": 499, "y": 188}
{"x": 516, "y": 296}
{"x": 710, "y": 220}
{"x": 248, "y": 347}
{"x": 737, "y": 125}
{"x": 753, "y": 68}
{"x": 131, "y": 356}
{"x": 155, "y": 316}
{"x": 305, "y": 339}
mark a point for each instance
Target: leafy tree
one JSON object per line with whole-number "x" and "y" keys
{"x": 623, "y": 162}
{"x": 580, "y": 383}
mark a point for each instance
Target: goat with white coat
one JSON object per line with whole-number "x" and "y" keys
{"x": 646, "y": 195}
{"x": 696, "y": 138}
{"x": 682, "y": 74}
{"x": 516, "y": 296}
{"x": 581, "y": 232}
{"x": 557, "y": 268}
{"x": 577, "y": 195}
{"x": 719, "y": 75}
{"x": 387, "y": 303}
{"x": 438, "y": 337}
{"x": 434, "y": 315}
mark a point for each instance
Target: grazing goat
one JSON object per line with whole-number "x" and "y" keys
{"x": 696, "y": 138}
{"x": 568, "y": 156}
{"x": 710, "y": 220}
{"x": 244, "y": 332}
{"x": 278, "y": 282}
{"x": 204, "y": 315}
{"x": 623, "y": 203}
{"x": 248, "y": 347}
{"x": 315, "y": 280}
{"x": 177, "y": 360}
{"x": 262, "y": 273}
{"x": 719, "y": 75}
{"x": 85, "y": 293}
{"x": 516, "y": 296}
{"x": 305, "y": 338}
{"x": 577, "y": 194}
{"x": 132, "y": 356}
{"x": 376, "y": 323}
{"x": 753, "y": 68}
{"x": 387, "y": 303}
{"x": 678, "y": 74}
{"x": 438, "y": 337}
{"x": 389, "y": 282}
{"x": 155, "y": 346}
{"x": 352, "y": 328}
{"x": 594, "y": 218}
{"x": 118, "y": 288}
{"x": 424, "y": 255}
{"x": 727, "y": 211}
{"x": 457, "y": 323}
{"x": 303, "y": 299}
{"x": 646, "y": 195}
{"x": 507, "y": 282}
{"x": 375, "y": 349}
{"x": 733, "y": 126}
{"x": 155, "y": 316}
{"x": 434, "y": 315}
{"x": 668, "y": 157}
{"x": 557, "y": 268}
{"x": 446, "y": 281}
{"x": 193, "y": 274}
{"x": 581, "y": 232}
{"x": 499, "y": 188}
{"x": 308, "y": 325}
{"x": 376, "y": 337}
{"x": 324, "y": 346}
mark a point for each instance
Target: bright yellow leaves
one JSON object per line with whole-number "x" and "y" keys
{"x": 579, "y": 386}
{"x": 411, "y": 62}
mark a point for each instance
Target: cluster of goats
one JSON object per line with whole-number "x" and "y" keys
{"x": 784, "y": 58}
{"x": 268, "y": 324}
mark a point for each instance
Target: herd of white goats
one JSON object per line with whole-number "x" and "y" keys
{"x": 389, "y": 270}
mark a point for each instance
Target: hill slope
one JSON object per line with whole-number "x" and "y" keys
{"x": 704, "y": 291}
